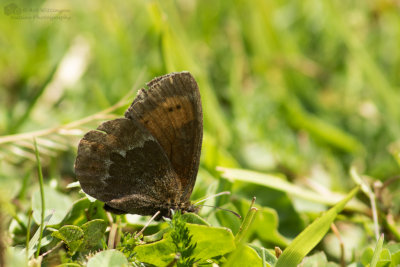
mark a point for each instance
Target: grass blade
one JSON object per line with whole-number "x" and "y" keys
{"x": 30, "y": 249}
{"x": 377, "y": 252}
{"x": 40, "y": 174}
{"x": 277, "y": 183}
{"x": 370, "y": 194}
{"x": 312, "y": 235}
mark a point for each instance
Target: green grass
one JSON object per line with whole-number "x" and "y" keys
{"x": 295, "y": 94}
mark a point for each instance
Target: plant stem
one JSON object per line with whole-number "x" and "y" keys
{"x": 41, "y": 197}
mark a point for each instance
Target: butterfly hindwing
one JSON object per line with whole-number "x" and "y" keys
{"x": 123, "y": 165}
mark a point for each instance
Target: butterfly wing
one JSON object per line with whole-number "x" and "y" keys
{"x": 123, "y": 165}
{"x": 171, "y": 111}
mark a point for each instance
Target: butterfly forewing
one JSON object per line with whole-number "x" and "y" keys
{"x": 171, "y": 110}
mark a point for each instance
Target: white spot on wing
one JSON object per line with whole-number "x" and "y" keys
{"x": 122, "y": 153}
{"x": 141, "y": 139}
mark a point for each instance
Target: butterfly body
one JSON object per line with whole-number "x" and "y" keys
{"x": 147, "y": 161}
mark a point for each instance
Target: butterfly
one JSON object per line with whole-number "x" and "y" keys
{"x": 148, "y": 160}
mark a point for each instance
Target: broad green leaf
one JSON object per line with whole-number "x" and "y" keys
{"x": 193, "y": 218}
{"x": 15, "y": 257}
{"x": 76, "y": 215}
{"x": 82, "y": 238}
{"x": 318, "y": 259}
{"x": 244, "y": 256}
{"x": 385, "y": 258}
{"x": 266, "y": 227}
{"x": 395, "y": 253}
{"x": 158, "y": 253}
{"x": 54, "y": 201}
{"x": 93, "y": 233}
{"x": 395, "y": 259}
{"x": 366, "y": 256}
{"x": 277, "y": 183}
{"x": 108, "y": 258}
{"x": 211, "y": 242}
{"x": 312, "y": 235}
{"x": 83, "y": 210}
{"x": 72, "y": 236}
{"x": 269, "y": 255}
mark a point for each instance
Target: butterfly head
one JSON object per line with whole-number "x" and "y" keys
{"x": 184, "y": 207}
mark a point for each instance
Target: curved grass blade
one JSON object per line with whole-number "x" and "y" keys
{"x": 277, "y": 183}
{"x": 312, "y": 235}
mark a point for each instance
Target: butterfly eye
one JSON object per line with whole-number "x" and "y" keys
{"x": 170, "y": 109}
{"x": 178, "y": 106}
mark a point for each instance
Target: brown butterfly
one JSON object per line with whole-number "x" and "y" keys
{"x": 147, "y": 161}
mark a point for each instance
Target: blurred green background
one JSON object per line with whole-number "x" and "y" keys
{"x": 303, "y": 89}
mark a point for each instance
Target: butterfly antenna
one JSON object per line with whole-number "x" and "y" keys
{"x": 216, "y": 195}
{"x": 231, "y": 211}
